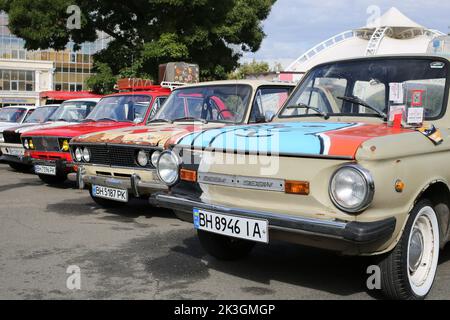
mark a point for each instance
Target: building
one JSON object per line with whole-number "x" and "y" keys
{"x": 24, "y": 73}
{"x": 392, "y": 33}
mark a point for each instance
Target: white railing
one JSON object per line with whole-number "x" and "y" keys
{"x": 321, "y": 46}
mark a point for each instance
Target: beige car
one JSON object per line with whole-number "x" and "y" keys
{"x": 369, "y": 179}
{"x": 120, "y": 164}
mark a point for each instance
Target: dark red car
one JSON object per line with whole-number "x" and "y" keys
{"x": 49, "y": 148}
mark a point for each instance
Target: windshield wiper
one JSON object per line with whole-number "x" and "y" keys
{"x": 305, "y": 106}
{"x": 191, "y": 119}
{"x": 160, "y": 120}
{"x": 361, "y": 102}
{"x": 62, "y": 119}
{"x": 107, "y": 119}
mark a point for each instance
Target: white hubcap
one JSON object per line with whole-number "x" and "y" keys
{"x": 423, "y": 251}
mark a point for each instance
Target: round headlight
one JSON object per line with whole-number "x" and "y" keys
{"x": 86, "y": 155}
{"x": 155, "y": 157}
{"x": 142, "y": 158}
{"x": 78, "y": 154}
{"x": 168, "y": 165}
{"x": 352, "y": 189}
{"x": 25, "y": 144}
{"x": 65, "y": 145}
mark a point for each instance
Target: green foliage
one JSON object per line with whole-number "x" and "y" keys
{"x": 249, "y": 68}
{"x": 103, "y": 81}
{"x": 147, "y": 33}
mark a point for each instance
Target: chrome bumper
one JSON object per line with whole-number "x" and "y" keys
{"x": 132, "y": 184}
{"x": 356, "y": 232}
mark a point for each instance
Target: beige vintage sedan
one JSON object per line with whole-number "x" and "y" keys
{"x": 351, "y": 164}
{"x": 120, "y": 164}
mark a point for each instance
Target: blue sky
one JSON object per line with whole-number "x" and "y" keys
{"x": 295, "y": 26}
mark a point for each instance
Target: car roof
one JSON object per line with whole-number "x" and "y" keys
{"x": 83, "y": 99}
{"x": 23, "y": 107}
{"x": 253, "y": 83}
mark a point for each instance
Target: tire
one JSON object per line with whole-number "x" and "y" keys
{"x": 408, "y": 272}
{"x": 58, "y": 179}
{"x": 223, "y": 247}
{"x": 20, "y": 167}
{"x": 184, "y": 216}
{"x": 105, "y": 203}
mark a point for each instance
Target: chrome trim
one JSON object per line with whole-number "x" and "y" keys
{"x": 177, "y": 159}
{"x": 135, "y": 179}
{"x": 370, "y": 189}
{"x": 244, "y": 182}
{"x": 80, "y": 173}
{"x": 124, "y": 183}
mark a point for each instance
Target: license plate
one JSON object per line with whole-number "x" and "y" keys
{"x": 233, "y": 226}
{"x": 18, "y": 152}
{"x": 110, "y": 193}
{"x": 46, "y": 170}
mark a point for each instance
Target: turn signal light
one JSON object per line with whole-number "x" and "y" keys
{"x": 30, "y": 144}
{"x": 188, "y": 175}
{"x": 297, "y": 187}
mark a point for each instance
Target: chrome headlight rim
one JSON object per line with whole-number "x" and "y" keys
{"x": 370, "y": 186}
{"x": 78, "y": 154}
{"x": 86, "y": 154}
{"x": 26, "y": 144}
{"x": 176, "y": 161}
{"x": 154, "y": 158}
{"x": 139, "y": 154}
{"x": 2, "y": 138}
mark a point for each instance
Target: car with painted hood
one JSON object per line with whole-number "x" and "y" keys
{"x": 121, "y": 163}
{"x": 70, "y": 112}
{"x": 49, "y": 148}
{"x": 371, "y": 179}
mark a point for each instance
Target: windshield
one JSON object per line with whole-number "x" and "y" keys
{"x": 41, "y": 114}
{"x": 75, "y": 111}
{"x": 338, "y": 89}
{"x": 12, "y": 114}
{"x": 131, "y": 108}
{"x": 217, "y": 103}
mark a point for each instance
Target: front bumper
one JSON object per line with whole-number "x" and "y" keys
{"x": 354, "y": 232}
{"x": 25, "y": 160}
{"x": 133, "y": 184}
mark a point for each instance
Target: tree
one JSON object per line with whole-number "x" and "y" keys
{"x": 249, "y": 68}
{"x": 146, "y": 33}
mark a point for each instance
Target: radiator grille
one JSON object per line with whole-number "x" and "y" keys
{"x": 11, "y": 137}
{"x": 50, "y": 144}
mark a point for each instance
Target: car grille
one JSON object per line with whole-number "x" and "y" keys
{"x": 116, "y": 156}
{"x": 11, "y": 137}
{"x": 46, "y": 144}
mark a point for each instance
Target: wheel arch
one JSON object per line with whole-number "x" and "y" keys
{"x": 438, "y": 192}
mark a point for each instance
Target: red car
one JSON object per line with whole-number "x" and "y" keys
{"x": 49, "y": 148}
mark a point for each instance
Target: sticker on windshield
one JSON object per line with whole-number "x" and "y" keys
{"x": 396, "y": 92}
{"x": 417, "y": 98}
{"x": 415, "y": 116}
{"x": 394, "y": 110}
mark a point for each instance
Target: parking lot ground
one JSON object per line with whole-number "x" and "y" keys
{"x": 139, "y": 252}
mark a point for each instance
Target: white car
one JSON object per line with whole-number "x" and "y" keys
{"x": 70, "y": 112}
{"x": 13, "y": 116}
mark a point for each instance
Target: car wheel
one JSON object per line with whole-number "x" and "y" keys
{"x": 105, "y": 203}
{"x": 408, "y": 271}
{"x": 223, "y": 247}
{"x": 20, "y": 167}
{"x": 58, "y": 179}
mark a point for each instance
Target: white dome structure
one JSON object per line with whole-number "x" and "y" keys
{"x": 392, "y": 33}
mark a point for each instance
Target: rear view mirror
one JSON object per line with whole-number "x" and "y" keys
{"x": 268, "y": 116}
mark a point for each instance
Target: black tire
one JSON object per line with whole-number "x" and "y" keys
{"x": 184, "y": 216}
{"x": 105, "y": 203}
{"x": 395, "y": 274}
{"x": 20, "y": 167}
{"x": 58, "y": 179}
{"x": 223, "y": 247}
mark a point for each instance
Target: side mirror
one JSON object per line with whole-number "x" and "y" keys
{"x": 268, "y": 116}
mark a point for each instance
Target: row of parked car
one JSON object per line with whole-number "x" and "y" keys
{"x": 322, "y": 164}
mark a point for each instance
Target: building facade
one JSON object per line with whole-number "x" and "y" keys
{"x": 24, "y": 73}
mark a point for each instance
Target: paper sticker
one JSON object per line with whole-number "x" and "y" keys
{"x": 415, "y": 115}
{"x": 396, "y": 93}
{"x": 417, "y": 98}
{"x": 393, "y": 110}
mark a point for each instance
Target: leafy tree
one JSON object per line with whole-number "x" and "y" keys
{"x": 103, "y": 80}
{"x": 146, "y": 33}
{"x": 249, "y": 68}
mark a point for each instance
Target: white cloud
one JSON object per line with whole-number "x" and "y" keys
{"x": 294, "y": 26}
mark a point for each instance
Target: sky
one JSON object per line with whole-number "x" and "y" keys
{"x": 295, "y": 26}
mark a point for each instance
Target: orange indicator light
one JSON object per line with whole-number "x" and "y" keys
{"x": 297, "y": 187}
{"x": 188, "y": 175}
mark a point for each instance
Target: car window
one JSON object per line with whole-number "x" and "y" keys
{"x": 132, "y": 108}
{"x": 40, "y": 115}
{"x": 12, "y": 114}
{"x": 73, "y": 111}
{"x": 268, "y": 100}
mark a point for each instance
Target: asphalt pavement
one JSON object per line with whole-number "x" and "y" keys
{"x": 139, "y": 252}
